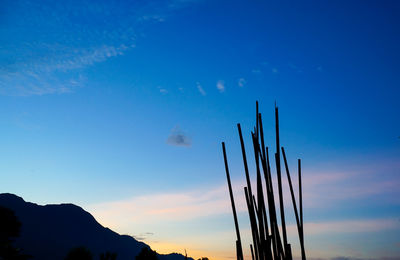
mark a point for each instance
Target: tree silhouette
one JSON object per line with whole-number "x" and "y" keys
{"x": 108, "y": 256}
{"x": 9, "y": 225}
{"x": 79, "y": 253}
{"x": 147, "y": 254}
{"x": 9, "y": 229}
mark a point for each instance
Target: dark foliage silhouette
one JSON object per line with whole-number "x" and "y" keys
{"x": 9, "y": 225}
{"x": 9, "y": 230}
{"x": 79, "y": 253}
{"x": 147, "y": 254}
{"x": 108, "y": 256}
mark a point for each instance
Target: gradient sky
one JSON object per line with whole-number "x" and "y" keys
{"x": 121, "y": 106}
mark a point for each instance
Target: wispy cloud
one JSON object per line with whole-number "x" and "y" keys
{"x": 59, "y": 42}
{"x": 203, "y": 202}
{"x": 221, "y": 86}
{"x": 174, "y": 206}
{"x": 178, "y": 138}
{"x": 143, "y": 236}
{"x": 241, "y": 82}
{"x": 200, "y": 89}
{"x": 162, "y": 90}
{"x": 56, "y": 73}
{"x": 206, "y": 201}
{"x": 348, "y": 226}
{"x": 331, "y": 188}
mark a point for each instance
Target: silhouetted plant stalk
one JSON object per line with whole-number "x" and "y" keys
{"x": 267, "y": 242}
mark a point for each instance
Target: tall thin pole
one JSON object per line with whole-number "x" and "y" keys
{"x": 246, "y": 169}
{"x": 303, "y": 251}
{"x": 239, "y": 242}
{"x": 292, "y": 194}
{"x": 278, "y": 172}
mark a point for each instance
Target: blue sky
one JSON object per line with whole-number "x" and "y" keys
{"x": 121, "y": 107}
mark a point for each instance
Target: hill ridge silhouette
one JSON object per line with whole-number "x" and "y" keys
{"x": 48, "y": 232}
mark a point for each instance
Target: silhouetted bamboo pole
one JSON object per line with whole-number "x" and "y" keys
{"x": 300, "y": 191}
{"x": 253, "y": 223}
{"x": 261, "y": 137}
{"x": 257, "y": 125}
{"x": 259, "y": 153}
{"x": 275, "y": 241}
{"x": 276, "y": 238}
{"x": 260, "y": 200}
{"x": 249, "y": 193}
{"x": 246, "y": 169}
{"x": 252, "y": 252}
{"x": 303, "y": 252}
{"x": 270, "y": 241}
{"x": 239, "y": 242}
{"x": 239, "y": 251}
{"x": 278, "y": 172}
{"x": 292, "y": 194}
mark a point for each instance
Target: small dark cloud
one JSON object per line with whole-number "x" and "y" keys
{"x": 139, "y": 238}
{"x": 143, "y": 236}
{"x": 178, "y": 138}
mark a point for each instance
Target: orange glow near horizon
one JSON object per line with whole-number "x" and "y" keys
{"x": 192, "y": 250}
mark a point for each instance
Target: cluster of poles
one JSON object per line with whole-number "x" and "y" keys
{"x": 267, "y": 240}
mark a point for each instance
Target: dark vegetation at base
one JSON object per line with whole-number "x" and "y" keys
{"x": 79, "y": 253}
{"x": 147, "y": 254}
{"x": 9, "y": 230}
{"x": 50, "y": 232}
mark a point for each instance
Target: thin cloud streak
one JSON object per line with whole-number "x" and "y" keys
{"x": 168, "y": 206}
{"x": 241, "y": 82}
{"x": 56, "y": 62}
{"x": 200, "y": 89}
{"x": 221, "y": 86}
{"x": 54, "y": 74}
{"x": 207, "y": 202}
{"x": 347, "y": 226}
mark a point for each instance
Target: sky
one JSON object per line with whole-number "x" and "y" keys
{"x": 121, "y": 107}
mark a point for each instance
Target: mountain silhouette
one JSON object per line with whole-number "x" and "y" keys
{"x": 49, "y": 232}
